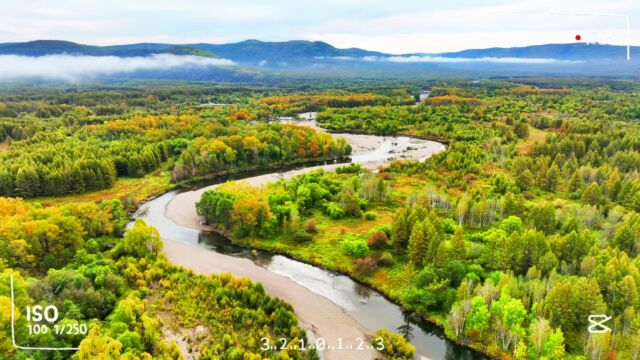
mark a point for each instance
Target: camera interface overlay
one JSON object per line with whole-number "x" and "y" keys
{"x": 42, "y": 320}
{"x": 328, "y": 180}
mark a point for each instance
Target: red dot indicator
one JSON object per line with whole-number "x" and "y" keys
{"x": 578, "y": 37}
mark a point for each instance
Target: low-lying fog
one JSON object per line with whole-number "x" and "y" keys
{"x": 72, "y": 68}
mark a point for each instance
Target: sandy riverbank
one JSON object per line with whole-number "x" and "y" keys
{"x": 359, "y": 143}
{"x": 317, "y": 314}
{"x": 368, "y": 150}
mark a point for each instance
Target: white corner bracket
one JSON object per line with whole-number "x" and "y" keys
{"x": 13, "y": 330}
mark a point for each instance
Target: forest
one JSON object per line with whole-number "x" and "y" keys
{"x": 527, "y": 224}
{"x": 74, "y": 159}
{"x": 119, "y": 285}
{"x": 508, "y": 240}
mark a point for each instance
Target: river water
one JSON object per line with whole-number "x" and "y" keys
{"x": 363, "y": 304}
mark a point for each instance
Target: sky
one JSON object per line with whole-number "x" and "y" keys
{"x": 397, "y": 26}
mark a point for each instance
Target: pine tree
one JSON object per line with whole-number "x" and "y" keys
{"x": 441, "y": 258}
{"x": 458, "y": 246}
{"x": 6, "y": 183}
{"x": 134, "y": 166}
{"x": 399, "y": 234}
{"x": 592, "y": 194}
{"x": 553, "y": 178}
{"x": 27, "y": 182}
{"x": 433, "y": 240}
{"x": 576, "y": 183}
{"x": 524, "y": 180}
{"x": 89, "y": 178}
{"x": 522, "y": 130}
{"x": 108, "y": 173}
{"x": 76, "y": 181}
{"x": 613, "y": 184}
{"x": 417, "y": 244}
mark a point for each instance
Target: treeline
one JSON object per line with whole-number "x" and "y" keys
{"x": 74, "y": 258}
{"x": 38, "y": 238}
{"x": 509, "y": 239}
{"x": 55, "y": 164}
{"x": 108, "y": 101}
{"x": 299, "y": 103}
{"x": 386, "y": 120}
{"x": 451, "y": 122}
{"x": 90, "y": 157}
{"x": 595, "y": 162}
{"x": 239, "y": 145}
{"x": 280, "y": 208}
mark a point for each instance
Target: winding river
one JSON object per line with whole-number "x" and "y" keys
{"x": 329, "y": 305}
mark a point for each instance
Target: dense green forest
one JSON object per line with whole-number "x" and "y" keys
{"x": 77, "y": 258}
{"x": 527, "y": 224}
{"x": 76, "y": 159}
{"x": 72, "y": 142}
{"x": 114, "y": 284}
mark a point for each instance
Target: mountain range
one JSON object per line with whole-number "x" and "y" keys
{"x": 317, "y": 56}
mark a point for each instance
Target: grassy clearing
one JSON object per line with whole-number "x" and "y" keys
{"x": 325, "y": 250}
{"x": 535, "y": 136}
{"x": 133, "y": 189}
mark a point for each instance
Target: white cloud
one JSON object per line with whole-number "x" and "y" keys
{"x": 74, "y": 68}
{"x": 481, "y": 25}
{"x": 454, "y": 41}
{"x": 400, "y": 26}
{"x": 441, "y": 59}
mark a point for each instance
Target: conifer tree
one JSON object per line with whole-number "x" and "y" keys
{"x": 27, "y": 182}
{"x": 458, "y": 247}
{"x": 417, "y": 244}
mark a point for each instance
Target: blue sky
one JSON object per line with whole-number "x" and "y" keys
{"x": 397, "y": 26}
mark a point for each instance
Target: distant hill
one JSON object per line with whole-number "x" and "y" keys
{"x": 295, "y": 51}
{"x": 577, "y": 51}
{"x": 249, "y": 52}
{"x": 255, "y": 58}
{"x": 56, "y": 47}
{"x": 299, "y": 51}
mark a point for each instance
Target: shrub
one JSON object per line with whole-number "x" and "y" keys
{"x": 366, "y": 266}
{"x": 363, "y": 203}
{"x": 334, "y": 210}
{"x": 311, "y": 227}
{"x": 369, "y": 215}
{"x": 385, "y": 260}
{"x": 377, "y": 240}
{"x": 355, "y": 247}
{"x": 449, "y": 226}
{"x": 512, "y": 224}
{"x": 425, "y": 277}
{"x": 382, "y": 227}
{"x": 302, "y": 237}
{"x": 395, "y": 346}
{"x": 349, "y": 169}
